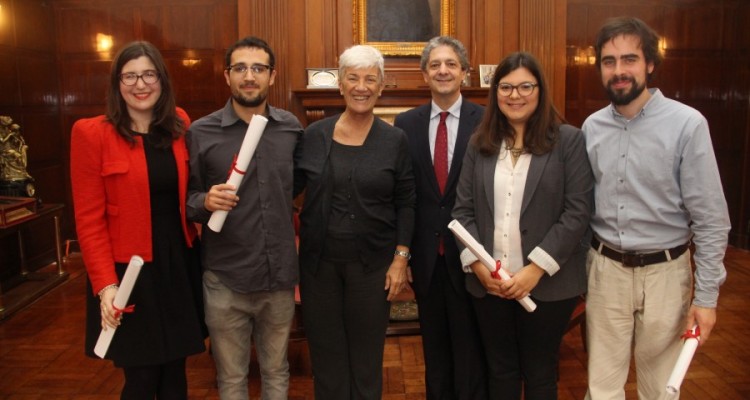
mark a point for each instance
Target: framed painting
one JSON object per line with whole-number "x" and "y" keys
{"x": 402, "y": 27}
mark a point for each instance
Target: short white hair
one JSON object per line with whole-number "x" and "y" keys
{"x": 361, "y": 56}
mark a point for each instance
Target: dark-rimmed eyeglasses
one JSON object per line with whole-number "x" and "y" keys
{"x": 524, "y": 89}
{"x": 148, "y": 77}
{"x": 256, "y": 69}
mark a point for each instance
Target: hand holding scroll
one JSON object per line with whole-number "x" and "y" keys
{"x": 239, "y": 166}
{"x": 692, "y": 338}
{"x": 485, "y": 258}
{"x": 120, "y": 303}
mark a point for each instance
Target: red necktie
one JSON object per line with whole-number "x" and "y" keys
{"x": 440, "y": 158}
{"x": 440, "y": 161}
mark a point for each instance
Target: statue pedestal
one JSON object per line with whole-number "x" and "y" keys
{"x": 23, "y": 188}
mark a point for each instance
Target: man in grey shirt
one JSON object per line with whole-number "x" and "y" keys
{"x": 657, "y": 188}
{"x": 251, "y": 265}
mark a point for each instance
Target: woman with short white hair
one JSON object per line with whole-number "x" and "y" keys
{"x": 356, "y": 225}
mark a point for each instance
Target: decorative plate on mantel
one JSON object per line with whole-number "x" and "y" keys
{"x": 322, "y": 78}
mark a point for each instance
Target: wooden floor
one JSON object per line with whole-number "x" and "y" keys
{"x": 41, "y": 354}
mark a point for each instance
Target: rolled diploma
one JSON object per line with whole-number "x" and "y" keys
{"x": 485, "y": 258}
{"x": 682, "y": 364}
{"x": 121, "y": 301}
{"x": 249, "y": 144}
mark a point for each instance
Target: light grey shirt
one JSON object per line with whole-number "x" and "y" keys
{"x": 657, "y": 185}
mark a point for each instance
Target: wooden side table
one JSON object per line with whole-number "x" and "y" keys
{"x": 29, "y": 285}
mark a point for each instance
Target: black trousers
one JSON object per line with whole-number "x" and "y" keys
{"x": 522, "y": 348}
{"x": 345, "y": 316}
{"x": 453, "y": 354}
{"x": 164, "y": 382}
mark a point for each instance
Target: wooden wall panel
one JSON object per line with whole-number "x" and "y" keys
{"x": 84, "y": 82}
{"x": 78, "y": 26}
{"x": 38, "y": 81}
{"x": 7, "y": 24}
{"x": 542, "y": 33}
{"x": 30, "y": 85}
{"x": 38, "y": 37}
{"x": 9, "y": 80}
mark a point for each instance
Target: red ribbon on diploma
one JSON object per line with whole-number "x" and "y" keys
{"x": 234, "y": 167}
{"x": 120, "y": 311}
{"x": 496, "y": 273}
{"x": 692, "y": 334}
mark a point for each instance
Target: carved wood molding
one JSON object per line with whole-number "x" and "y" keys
{"x": 542, "y": 33}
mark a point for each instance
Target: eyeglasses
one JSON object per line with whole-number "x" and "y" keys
{"x": 256, "y": 69}
{"x": 524, "y": 89}
{"x": 149, "y": 77}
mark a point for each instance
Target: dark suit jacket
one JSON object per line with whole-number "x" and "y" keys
{"x": 555, "y": 212}
{"x": 383, "y": 185}
{"x": 434, "y": 208}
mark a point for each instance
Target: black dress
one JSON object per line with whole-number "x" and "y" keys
{"x": 167, "y": 323}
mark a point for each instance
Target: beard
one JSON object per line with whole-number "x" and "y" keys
{"x": 620, "y": 97}
{"x": 246, "y": 101}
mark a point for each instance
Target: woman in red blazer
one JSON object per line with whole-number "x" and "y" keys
{"x": 129, "y": 172}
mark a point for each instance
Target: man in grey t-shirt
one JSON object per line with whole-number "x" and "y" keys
{"x": 251, "y": 265}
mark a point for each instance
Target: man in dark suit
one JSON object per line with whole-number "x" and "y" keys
{"x": 438, "y": 134}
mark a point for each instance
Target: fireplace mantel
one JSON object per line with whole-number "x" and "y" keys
{"x": 317, "y": 104}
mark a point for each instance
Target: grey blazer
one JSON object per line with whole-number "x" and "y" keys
{"x": 557, "y": 205}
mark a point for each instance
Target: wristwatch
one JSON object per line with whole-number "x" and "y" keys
{"x": 404, "y": 254}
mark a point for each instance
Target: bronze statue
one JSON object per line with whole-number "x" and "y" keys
{"x": 13, "y": 158}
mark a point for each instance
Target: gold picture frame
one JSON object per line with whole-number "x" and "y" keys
{"x": 394, "y": 46}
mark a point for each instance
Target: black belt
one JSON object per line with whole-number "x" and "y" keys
{"x": 632, "y": 259}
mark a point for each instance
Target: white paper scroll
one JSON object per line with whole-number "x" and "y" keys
{"x": 121, "y": 301}
{"x": 249, "y": 144}
{"x": 485, "y": 258}
{"x": 683, "y": 361}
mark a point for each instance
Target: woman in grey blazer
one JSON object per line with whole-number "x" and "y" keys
{"x": 526, "y": 193}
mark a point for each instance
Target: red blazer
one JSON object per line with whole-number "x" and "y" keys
{"x": 111, "y": 196}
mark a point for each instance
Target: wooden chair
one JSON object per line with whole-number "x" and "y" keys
{"x": 578, "y": 318}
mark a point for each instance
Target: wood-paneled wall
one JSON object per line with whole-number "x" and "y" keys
{"x": 30, "y": 89}
{"x": 52, "y": 74}
{"x": 29, "y": 93}
{"x": 314, "y": 32}
{"x": 706, "y": 66}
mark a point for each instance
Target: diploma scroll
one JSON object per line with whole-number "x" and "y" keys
{"x": 121, "y": 301}
{"x": 239, "y": 167}
{"x": 692, "y": 338}
{"x": 485, "y": 258}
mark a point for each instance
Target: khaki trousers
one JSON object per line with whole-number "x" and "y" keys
{"x": 640, "y": 310}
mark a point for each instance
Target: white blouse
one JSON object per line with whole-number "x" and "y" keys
{"x": 509, "y": 185}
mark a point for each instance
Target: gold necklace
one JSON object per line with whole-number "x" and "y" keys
{"x": 515, "y": 153}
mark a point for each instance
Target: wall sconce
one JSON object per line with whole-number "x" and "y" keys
{"x": 663, "y": 46}
{"x": 590, "y": 55}
{"x": 103, "y": 42}
{"x": 581, "y": 56}
{"x": 190, "y": 62}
